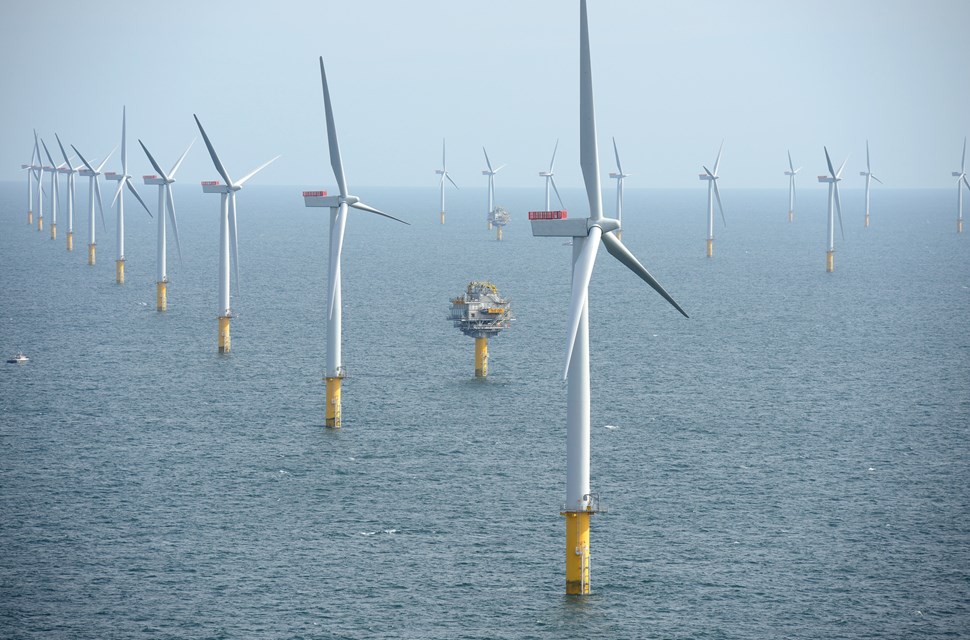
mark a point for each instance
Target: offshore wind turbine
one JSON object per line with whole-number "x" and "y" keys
{"x": 31, "y": 175}
{"x": 835, "y": 204}
{"x": 550, "y": 180}
{"x": 619, "y": 176}
{"x": 443, "y": 172}
{"x": 227, "y": 230}
{"x": 587, "y": 233}
{"x": 491, "y": 186}
{"x": 712, "y": 191}
{"x": 961, "y": 176}
{"x": 40, "y": 187}
{"x": 70, "y": 171}
{"x": 123, "y": 180}
{"x": 339, "y": 206}
{"x": 166, "y": 202}
{"x": 94, "y": 187}
{"x": 54, "y": 170}
{"x": 869, "y": 178}
{"x": 791, "y": 173}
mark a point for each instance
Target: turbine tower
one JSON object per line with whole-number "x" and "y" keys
{"x": 550, "y": 180}
{"x": 166, "y": 201}
{"x": 443, "y": 172}
{"x": 791, "y": 173}
{"x": 94, "y": 187}
{"x": 587, "y": 233}
{"x": 835, "y": 204}
{"x": 961, "y": 176}
{"x": 491, "y": 186}
{"x": 227, "y": 230}
{"x": 40, "y": 187}
{"x": 339, "y": 206}
{"x": 54, "y": 170}
{"x": 32, "y": 174}
{"x": 618, "y": 176}
{"x": 66, "y": 168}
{"x": 123, "y": 179}
{"x": 869, "y": 178}
{"x": 712, "y": 191}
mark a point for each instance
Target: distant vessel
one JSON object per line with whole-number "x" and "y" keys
{"x": 20, "y": 358}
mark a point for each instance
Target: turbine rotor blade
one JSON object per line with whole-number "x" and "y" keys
{"x": 63, "y": 153}
{"x": 838, "y": 207}
{"x": 178, "y": 164}
{"x": 588, "y": 154}
{"x": 717, "y": 161}
{"x": 868, "y": 167}
{"x": 336, "y": 250}
{"x": 828, "y": 161}
{"x": 582, "y": 272}
{"x": 86, "y": 163}
{"x": 450, "y": 180}
{"x": 963, "y": 160}
{"x": 791, "y": 166}
{"x": 487, "y": 161}
{"x": 97, "y": 190}
{"x": 717, "y": 194}
{"x": 552, "y": 163}
{"x": 171, "y": 217}
{"x": 619, "y": 251}
{"x": 212, "y": 153}
{"x": 553, "y": 182}
{"x": 152, "y": 161}
{"x": 131, "y": 187}
{"x": 335, "y": 162}
{"x": 121, "y": 187}
{"x": 103, "y": 162}
{"x": 124, "y": 147}
{"x": 617, "y": 154}
{"x": 234, "y": 237}
{"x": 841, "y": 167}
{"x": 370, "y": 209}
{"x": 249, "y": 175}
{"x": 876, "y": 179}
{"x": 49, "y": 159}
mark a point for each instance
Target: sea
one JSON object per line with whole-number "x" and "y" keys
{"x": 792, "y": 461}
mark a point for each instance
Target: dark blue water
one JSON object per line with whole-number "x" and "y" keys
{"x": 792, "y": 461}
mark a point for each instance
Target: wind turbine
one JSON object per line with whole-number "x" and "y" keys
{"x": 712, "y": 191}
{"x": 123, "y": 179}
{"x": 165, "y": 201}
{"x": 32, "y": 174}
{"x": 587, "y": 233}
{"x": 54, "y": 170}
{"x": 791, "y": 173}
{"x": 443, "y": 172}
{"x": 835, "y": 204}
{"x": 491, "y": 186}
{"x": 961, "y": 177}
{"x": 869, "y": 178}
{"x": 548, "y": 175}
{"x": 40, "y": 187}
{"x": 618, "y": 176}
{"x": 339, "y": 206}
{"x": 94, "y": 187}
{"x": 66, "y": 168}
{"x": 227, "y": 229}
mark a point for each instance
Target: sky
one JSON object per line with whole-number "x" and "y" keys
{"x": 671, "y": 81}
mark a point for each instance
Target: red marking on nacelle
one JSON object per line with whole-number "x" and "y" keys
{"x": 548, "y": 215}
{"x": 314, "y": 194}
{"x": 150, "y": 177}
{"x": 210, "y": 183}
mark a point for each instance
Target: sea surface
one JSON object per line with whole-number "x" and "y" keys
{"x": 792, "y": 461}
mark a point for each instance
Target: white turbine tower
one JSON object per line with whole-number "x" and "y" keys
{"x": 961, "y": 176}
{"x": 227, "y": 230}
{"x": 123, "y": 180}
{"x": 166, "y": 202}
{"x": 491, "y": 187}
{"x": 712, "y": 191}
{"x": 71, "y": 172}
{"x": 791, "y": 173}
{"x": 835, "y": 204}
{"x": 53, "y": 170}
{"x": 619, "y": 176}
{"x": 587, "y": 233}
{"x": 869, "y": 178}
{"x": 443, "y": 172}
{"x": 339, "y": 205}
{"x": 32, "y": 174}
{"x": 550, "y": 180}
{"x": 94, "y": 188}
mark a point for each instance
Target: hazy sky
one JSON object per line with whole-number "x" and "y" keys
{"x": 671, "y": 79}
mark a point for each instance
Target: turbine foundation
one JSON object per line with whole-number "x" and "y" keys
{"x": 30, "y": 217}
{"x": 442, "y": 217}
{"x": 224, "y": 339}
{"x": 40, "y": 223}
{"x": 960, "y": 225}
{"x": 333, "y": 403}
{"x": 867, "y": 221}
{"x": 161, "y": 295}
{"x": 120, "y": 271}
{"x": 481, "y": 357}
{"x": 577, "y": 552}
{"x": 791, "y": 215}
{"x": 710, "y": 247}
{"x": 91, "y": 253}
{"x": 829, "y": 261}
{"x": 498, "y": 234}
{"x": 54, "y": 231}
{"x": 489, "y": 225}
{"x": 70, "y": 241}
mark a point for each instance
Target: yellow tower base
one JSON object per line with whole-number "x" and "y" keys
{"x": 91, "y": 252}
{"x": 960, "y": 225}
{"x": 442, "y": 217}
{"x": 577, "y": 552}
{"x": 829, "y": 261}
{"x": 710, "y": 248}
{"x": 867, "y": 221}
{"x": 120, "y": 271}
{"x": 224, "y": 340}
{"x": 40, "y": 223}
{"x": 481, "y": 357}
{"x": 333, "y": 403}
{"x": 30, "y": 217}
{"x": 489, "y": 225}
{"x": 70, "y": 241}
{"x": 791, "y": 216}
{"x": 161, "y": 299}
{"x": 54, "y": 231}
{"x": 498, "y": 234}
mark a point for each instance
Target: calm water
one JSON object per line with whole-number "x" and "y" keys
{"x": 792, "y": 461}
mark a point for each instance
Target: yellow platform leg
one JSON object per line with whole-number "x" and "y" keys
{"x": 70, "y": 241}
{"x": 30, "y": 217}
{"x": 498, "y": 234}
{"x": 333, "y": 403}
{"x": 40, "y": 223}
{"x": 829, "y": 261}
{"x": 489, "y": 225}
{"x": 442, "y": 217}
{"x": 577, "y": 552}
{"x": 224, "y": 340}
{"x": 481, "y": 357}
{"x": 54, "y": 231}
{"x": 710, "y": 248}
{"x": 161, "y": 298}
{"x": 91, "y": 252}
{"x": 120, "y": 271}
{"x": 960, "y": 225}
{"x": 867, "y": 221}
{"x": 791, "y": 216}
